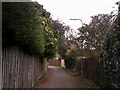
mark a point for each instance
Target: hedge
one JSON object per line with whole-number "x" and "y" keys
{"x": 24, "y": 25}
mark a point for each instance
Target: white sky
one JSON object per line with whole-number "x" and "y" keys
{"x": 83, "y": 9}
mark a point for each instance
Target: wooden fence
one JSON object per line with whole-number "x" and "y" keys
{"x": 54, "y": 62}
{"x": 20, "y": 70}
{"x": 92, "y": 69}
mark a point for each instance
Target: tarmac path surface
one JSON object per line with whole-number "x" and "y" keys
{"x": 57, "y": 77}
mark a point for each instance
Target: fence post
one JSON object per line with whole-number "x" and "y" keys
{"x": 81, "y": 68}
{"x": 0, "y": 45}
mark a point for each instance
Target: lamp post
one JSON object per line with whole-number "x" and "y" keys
{"x": 79, "y": 20}
{"x": 81, "y": 52}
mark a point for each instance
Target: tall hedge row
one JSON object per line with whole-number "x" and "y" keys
{"x": 26, "y": 25}
{"x": 110, "y": 56}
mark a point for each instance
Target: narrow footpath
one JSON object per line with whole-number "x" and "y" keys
{"x": 58, "y": 77}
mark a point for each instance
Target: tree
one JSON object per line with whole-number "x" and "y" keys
{"x": 91, "y": 36}
{"x": 59, "y": 31}
{"x": 65, "y": 40}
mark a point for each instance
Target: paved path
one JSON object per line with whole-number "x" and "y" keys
{"x": 57, "y": 77}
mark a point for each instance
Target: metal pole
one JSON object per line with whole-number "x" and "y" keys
{"x": 79, "y": 20}
{"x": 82, "y": 52}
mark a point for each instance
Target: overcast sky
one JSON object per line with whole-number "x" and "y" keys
{"x": 83, "y": 9}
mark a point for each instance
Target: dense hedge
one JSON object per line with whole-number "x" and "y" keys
{"x": 110, "y": 56}
{"x": 26, "y": 24}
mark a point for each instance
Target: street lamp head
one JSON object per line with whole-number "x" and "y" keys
{"x": 78, "y": 19}
{"x": 75, "y": 19}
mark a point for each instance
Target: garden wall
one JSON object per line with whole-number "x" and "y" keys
{"x": 20, "y": 70}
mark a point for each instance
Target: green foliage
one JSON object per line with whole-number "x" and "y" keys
{"x": 25, "y": 24}
{"x": 69, "y": 62}
{"x": 63, "y": 43}
{"x": 50, "y": 38}
{"x": 110, "y": 56}
{"x": 59, "y": 31}
{"x": 28, "y": 27}
{"x": 92, "y": 35}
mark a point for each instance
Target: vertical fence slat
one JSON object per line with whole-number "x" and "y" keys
{"x": 20, "y": 70}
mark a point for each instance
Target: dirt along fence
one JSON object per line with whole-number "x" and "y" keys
{"x": 92, "y": 69}
{"x": 20, "y": 70}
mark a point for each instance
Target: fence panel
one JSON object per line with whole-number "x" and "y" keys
{"x": 20, "y": 70}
